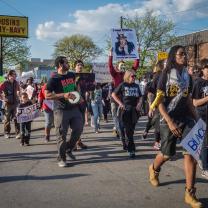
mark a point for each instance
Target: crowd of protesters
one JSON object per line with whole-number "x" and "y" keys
{"x": 172, "y": 98}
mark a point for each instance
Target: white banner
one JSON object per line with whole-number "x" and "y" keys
{"x": 28, "y": 113}
{"x": 124, "y": 43}
{"x": 102, "y": 75}
{"x": 194, "y": 140}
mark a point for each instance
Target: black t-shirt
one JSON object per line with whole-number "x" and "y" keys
{"x": 171, "y": 89}
{"x": 200, "y": 90}
{"x": 62, "y": 84}
{"x": 129, "y": 93}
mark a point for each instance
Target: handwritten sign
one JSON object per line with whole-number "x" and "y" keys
{"x": 102, "y": 75}
{"x": 28, "y": 113}
{"x": 194, "y": 140}
{"x": 162, "y": 56}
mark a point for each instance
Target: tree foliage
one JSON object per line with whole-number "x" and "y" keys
{"x": 154, "y": 34}
{"x": 15, "y": 51}
{"x": 77, "y": 47}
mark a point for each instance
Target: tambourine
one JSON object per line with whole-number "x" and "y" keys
{"x": 77, "y": 98}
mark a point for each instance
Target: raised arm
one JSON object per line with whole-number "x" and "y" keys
{"x": 110, "y": 64}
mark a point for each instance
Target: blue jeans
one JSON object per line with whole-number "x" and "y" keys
{"x": 97, "y": 109}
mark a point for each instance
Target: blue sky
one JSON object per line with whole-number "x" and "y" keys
{"x": 50, "y": 20}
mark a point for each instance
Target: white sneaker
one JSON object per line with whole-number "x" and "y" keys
{"x": 6, "y": 136}
{"x": 205, "y": 174}
{"x": 18, "y": 136}
{"x": 62, "y": 164}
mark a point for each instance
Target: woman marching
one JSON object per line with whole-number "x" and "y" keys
{"x": 178, "y": 118}
{"x": 128, "y": 95}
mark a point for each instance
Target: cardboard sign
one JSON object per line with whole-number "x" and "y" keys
{"x": 28, "y": 113}
{"x": 102, "y": 74}
{"x": 162, "y": 56}
{"x": 124, "y": 43}
{"x": 193, "y": 142}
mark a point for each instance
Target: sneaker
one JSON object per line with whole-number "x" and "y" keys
{"x": 190, "y": 198}
{"x": 81, "y": 145}
{"x": 70, "y": 154}
{"x": 21, "y": 144}
{"x": 47, "y": 138}
{"x": 153, "y": 176}
{"x": 157, "y": 146}
{"x": 132, "y": 155}
{"x": 144, "y": 135}
{"x": 18, "y": 136}
{"x": 6, "y": 136}
{"x": 204, "y": 174}
{"x": 62, "y": 164}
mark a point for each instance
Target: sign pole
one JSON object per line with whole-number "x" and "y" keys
{"x": 1, "y": 56}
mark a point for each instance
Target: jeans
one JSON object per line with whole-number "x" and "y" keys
{"x": 9, "y": 114}
{"x": 97, "y": 109}
{"x": 63, "y": 120}
{"x": 49, "y": 118}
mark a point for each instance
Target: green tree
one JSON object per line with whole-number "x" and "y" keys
{"x": 15, "y": 51}
{"x": 154, "y": 34}
{"x": 77, "y": 47}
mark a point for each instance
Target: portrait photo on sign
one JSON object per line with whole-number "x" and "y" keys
{"x": 124, "y": 44}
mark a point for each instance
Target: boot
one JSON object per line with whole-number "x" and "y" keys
{"x": 190, "y": 198}
{"x": 153, "y": 176}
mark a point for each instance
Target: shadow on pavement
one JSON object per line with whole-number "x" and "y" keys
{"x": 39, "y": 178}
{"x": 198, "y": 180}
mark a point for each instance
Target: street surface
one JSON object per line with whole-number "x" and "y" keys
{"x": 102, "y": 176}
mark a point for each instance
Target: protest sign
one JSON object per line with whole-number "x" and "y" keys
{"x": 102, "y": 75}
{"x": 194, "y": 140}
{"x": 86, "y": 81}
{"x": 124, "y": 43}
{"x": 28, "y": 113}
{"x": 29, "y": 91}
{"x": 162, "y": 56}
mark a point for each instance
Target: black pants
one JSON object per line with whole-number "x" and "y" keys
{"x": 25, "y": 130}
{"x": 129, "y": 119}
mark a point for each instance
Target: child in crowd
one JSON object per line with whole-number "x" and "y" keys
{"x": 25, "y": 127}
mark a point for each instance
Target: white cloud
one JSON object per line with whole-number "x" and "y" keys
{"x": 96, "y": 23}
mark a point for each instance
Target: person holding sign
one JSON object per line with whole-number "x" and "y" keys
{"x": 200, "y": 97}
{"x": 62, "y": 89}
{"x": 128, "y": 95}
{"x": 178, "y": 118}
{"x": 117, "y": 74}
{"x": 25, "y": 127}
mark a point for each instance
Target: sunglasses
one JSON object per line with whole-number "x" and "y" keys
{"x": 181, "y": 54}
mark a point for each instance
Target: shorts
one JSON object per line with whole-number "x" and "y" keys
{"x": 168, "y": 140}
{"x": 49, "y": 119}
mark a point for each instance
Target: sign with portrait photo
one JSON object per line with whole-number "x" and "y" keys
{"x": 124, "y": 44}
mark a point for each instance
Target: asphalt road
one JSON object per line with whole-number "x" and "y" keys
{"x": 102, "y": 176}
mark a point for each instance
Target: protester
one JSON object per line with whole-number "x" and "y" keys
{"x": 117, "y": 74}
{"x": 178, "y": 118}
{"x": 128, "y": 95}
{"x": 97, "y": 106}
{"x": 25, "y": 127}
{"x": 59, "y": 88}
{"x": 83, "y": 106}
{"x": 200, "y": 99}
{"x": 106, "y": 101}
{"x": 47, "y": 108}
{"x": 9, "y": 93}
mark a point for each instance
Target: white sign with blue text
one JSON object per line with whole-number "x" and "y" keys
{"x": 194, "y": 140}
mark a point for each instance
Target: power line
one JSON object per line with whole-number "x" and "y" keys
{"x": 9, "y": 5}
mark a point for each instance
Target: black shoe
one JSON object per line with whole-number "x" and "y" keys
{"x": 69, "y": 153}
{"x": 132, "y": 155}
{"x": 125, "y": 147}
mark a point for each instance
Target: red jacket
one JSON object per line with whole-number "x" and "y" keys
{"x": 118, "y": 76}
{"x": 41, "y": 98}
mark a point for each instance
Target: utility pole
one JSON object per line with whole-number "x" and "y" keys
{"x": 121, "y": 22}
{"x": 1, "y": 56}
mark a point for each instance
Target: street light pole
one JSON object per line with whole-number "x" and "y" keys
{"x": 121, "y": 22}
